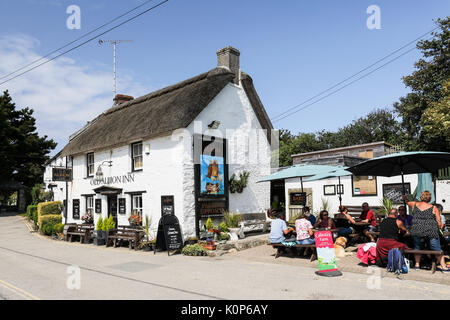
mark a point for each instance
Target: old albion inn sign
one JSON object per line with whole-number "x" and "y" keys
{"x": 114, "y": 179}
{"x": 211, "y": 178}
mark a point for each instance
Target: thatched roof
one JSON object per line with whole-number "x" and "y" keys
{"x": 159, "y": 113}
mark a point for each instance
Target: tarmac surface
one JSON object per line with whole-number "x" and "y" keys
{"x": 35, "y": 267}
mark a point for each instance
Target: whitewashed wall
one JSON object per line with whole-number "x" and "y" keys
{"x": 443, "y": 194}
{"x": 59, "y": 193}
{"x": 347, "y": 197}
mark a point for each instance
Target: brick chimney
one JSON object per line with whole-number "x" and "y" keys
{"x": 121, "y": 98}
{"x": 229, "y": 57}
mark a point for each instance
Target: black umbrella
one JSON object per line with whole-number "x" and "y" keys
{"x": 402, "y": 163}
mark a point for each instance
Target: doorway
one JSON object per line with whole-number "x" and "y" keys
{"x": 112, "y": 207}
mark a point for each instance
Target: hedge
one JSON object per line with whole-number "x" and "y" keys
{"x": 48, "y": 209}
{"x": 50, "y": 223}
{"x": 32, "y": 213}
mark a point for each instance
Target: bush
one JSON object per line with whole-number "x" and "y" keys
{"x": 232, "y": 219}
{"x": 109, "y": 224}
{"x": 100, "y": 223}
{"x": 31, "y": 209}
{"x": 223, "y": 236}
{"x": 223, "y": 227}
{"x": 194, "y": 250}
{"x": 50, "y": 224}
{"x": 48, "y": 208}
{"x": 48, "y": 229}
{"x": 209, "y": 224}
{"x": 59, "y": 228}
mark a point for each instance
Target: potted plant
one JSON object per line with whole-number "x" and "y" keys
{"x": 88, "y": 218}
{"x": 108, "y": 225}
{"x": 146, "y": 245}
{"x": 100, "y": 239}
{"x": 135, "y": 220}
{"x": 232, "y": 221}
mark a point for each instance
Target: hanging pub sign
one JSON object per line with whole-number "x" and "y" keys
{"x": 122, "y": 205}
{"x": 76, "y": 208}
{"x": 167, "y": 205}
{"x": 394, "y": 191}
{"x": 169, "y": 234}
{"x": 98, "y": 205}
{"x": 297, "y": 198}
{"x": 61, "y": 174}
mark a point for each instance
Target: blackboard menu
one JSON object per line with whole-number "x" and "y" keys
{"x": 122, "y": 206}
{"x": 394, "y": 191}
{"x": 76, "y": 208}
{"x": 298, "y": 198}
{"x": 98, "y": 205}
{"x": 167, "y": 205}
{"x": 169, "y": 234}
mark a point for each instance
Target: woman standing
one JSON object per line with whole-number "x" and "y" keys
{"x": 427, "y": 222}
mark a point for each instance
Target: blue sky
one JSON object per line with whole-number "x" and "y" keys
{"x": 292, "y": 49}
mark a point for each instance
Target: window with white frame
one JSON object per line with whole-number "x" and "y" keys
{"x": 136, "y": 204}
{"x": 90, "y": 164}
{"x": 90, "y": 204}
{"x": 136, "y": 155}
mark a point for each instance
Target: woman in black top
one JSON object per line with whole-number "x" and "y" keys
{"x": 390, "y": 228}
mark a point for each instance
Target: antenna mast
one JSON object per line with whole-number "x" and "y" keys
{"x": 114, "y": 42}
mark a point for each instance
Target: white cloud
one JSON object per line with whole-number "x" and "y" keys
{"x": 63, "y": 93}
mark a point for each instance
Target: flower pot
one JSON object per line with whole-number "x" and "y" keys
{"x": 234, "y": 233}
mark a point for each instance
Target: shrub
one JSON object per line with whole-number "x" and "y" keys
{"x": 59, "y": 228}
{"x": 108, "y": 224}
{"x": 223, "y": 227}
{"x": 100, "y": 223}
{"x": 223, "y": 236}
{"x": 194, "y": 250}
{"x": 31, "y": 209}
{"x": 209, "y": 224}
{"x": 50, "y": 224}
{"x": 48, "y": 229}
{"x": 51, "y": 219}
{"x": 232, "y": 219}
{"x": 48, "y": 208}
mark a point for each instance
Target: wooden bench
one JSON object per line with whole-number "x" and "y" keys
{"x": 430, "y": 252}
{"x": 126, "y": 233}
{"x": 78, "y": 230}
{"x": 280, "y": 246}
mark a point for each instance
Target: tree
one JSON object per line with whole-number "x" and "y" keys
{"x": 22, "y": 152}
{"x": 426, "y": 83}
{"x": 436, "y": 118}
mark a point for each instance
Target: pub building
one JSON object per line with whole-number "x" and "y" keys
{"x": 173, "y": 151}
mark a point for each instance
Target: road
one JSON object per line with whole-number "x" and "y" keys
{"x": 33, "y": 267}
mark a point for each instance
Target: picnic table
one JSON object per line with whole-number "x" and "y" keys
{"x": 126, "y": 233}
{"x": 80, "y": 230}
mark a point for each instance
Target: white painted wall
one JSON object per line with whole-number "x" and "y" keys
{"x": 168, "y": 169}
{"x": 443, "y": 194}
{"x": 347, "y": 197}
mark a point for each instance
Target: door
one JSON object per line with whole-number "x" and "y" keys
{"x": 112, "y": 207}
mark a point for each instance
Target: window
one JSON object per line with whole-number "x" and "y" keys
{"x": 90, "y": 164}
{"x": 368, "y": 154}
{"x": 364, "y": 185}
{"x": 90, "y": 204}
{"x": 136, "y": 155}
{"x": 136, "y": 204}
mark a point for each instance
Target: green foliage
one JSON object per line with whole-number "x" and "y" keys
{"x": 36, "y": 194}
{"x": 426, "y": 83}
{"x": 100, "y": 224}
{"x": 59, "y": 228}
{"x": 194, "y": 250}
{"x": 223, "y": 227}
{"x": 109, "y": 224}
{"x": 232, "y": 219}
{"x": 386, "y": 206}
{"x": 239, "y": 185}
{"x": 50, "y": 224}
{"x": 52, "y": 208}
{"x": 223, "y": 236}
{"x": 26, "y": 152}
{"x": 325, "y": 204}
{"x": 31, "y": 209}
{"x": 209, "y": 224}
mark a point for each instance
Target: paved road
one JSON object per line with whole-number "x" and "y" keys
{"x": 34, "y": 267}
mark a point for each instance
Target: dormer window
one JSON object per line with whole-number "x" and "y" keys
{"x": 136, "y": 156}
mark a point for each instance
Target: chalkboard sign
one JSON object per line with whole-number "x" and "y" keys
{"x": 169, "y": 234}
{"x": 394, "y": 191}
{"x": 98, "y": 205}
{"x": 298, "y": 198}
{"x": 167, "y": 205}
{"x": 76, "y": 208}
{"x": 122, "y": 206}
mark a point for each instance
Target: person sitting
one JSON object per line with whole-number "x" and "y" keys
{"x": 427, "y": 222}
{"x": 279, "y": 229}
{"x": 368, "y": 216}
{"x": 446, "y": 239}
{"x": 304, "y": 230}
{"x": 406, "y": 219}
{"x": 390, "y": 228}
{"x": 324, "y": 221}
{"x": 343, "y": 222}
{"x": 309, "y": 216}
